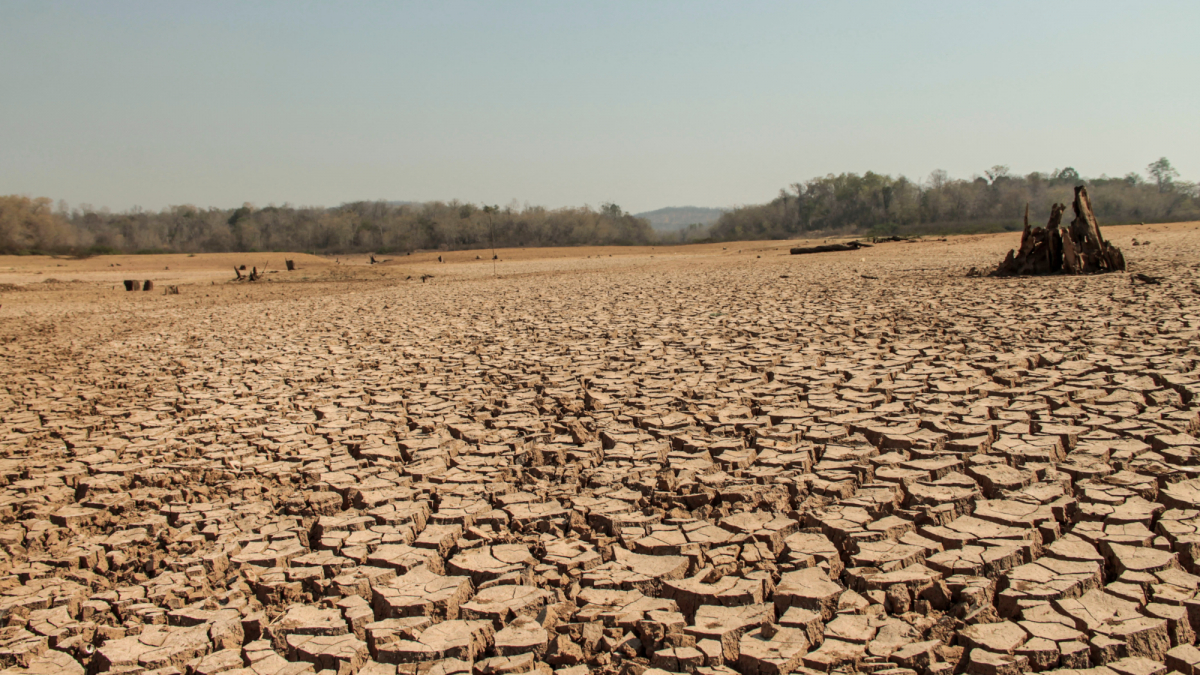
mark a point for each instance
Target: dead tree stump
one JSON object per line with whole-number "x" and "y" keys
{"x": 1084, "y": 249}
{"x": 1078, "y": 249}
{"x": 1041, "y": 248}
{"x": 133, "y": 285}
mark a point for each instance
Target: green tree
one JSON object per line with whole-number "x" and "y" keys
{"x": 1164, "y": 174}
{"x": 1067, "y": 175}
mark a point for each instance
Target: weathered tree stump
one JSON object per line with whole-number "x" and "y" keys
{"x": 1085, "y": 250}
{"x": 133, "y": 285}
{"x": 1078, "y": 249}
{"x": 1041, "y": 248}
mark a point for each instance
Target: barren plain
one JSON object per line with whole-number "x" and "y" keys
{"x": 709, "y": 459}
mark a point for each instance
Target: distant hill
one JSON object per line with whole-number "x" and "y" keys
{"x": 675, "y": 218}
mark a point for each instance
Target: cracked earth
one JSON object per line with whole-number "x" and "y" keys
{"x": 707, "y": 460}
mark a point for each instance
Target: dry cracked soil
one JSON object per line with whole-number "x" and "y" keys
{"x": 707, "y": 459}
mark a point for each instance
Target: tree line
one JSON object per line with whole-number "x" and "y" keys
{"x": 874, "y": 204}
{"x": 29, "y": 225}
{"x": 879, "y": 204}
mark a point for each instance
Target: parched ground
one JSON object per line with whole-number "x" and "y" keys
{"x": 712, "y": 459}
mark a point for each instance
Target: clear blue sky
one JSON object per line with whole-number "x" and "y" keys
{"x": 646, "y": 104}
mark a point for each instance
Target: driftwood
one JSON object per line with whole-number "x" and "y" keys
{"x": 830, "y": 248}
{"x": 1076, "y": 249}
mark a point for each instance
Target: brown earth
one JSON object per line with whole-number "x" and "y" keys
{"x": 707, "y": 458}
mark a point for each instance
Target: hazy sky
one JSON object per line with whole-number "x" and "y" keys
{"x": 646, "y": 104}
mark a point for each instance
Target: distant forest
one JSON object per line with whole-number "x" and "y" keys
{"x": 872, "y": 204}
{"x": 35, "y": 225}
{"x": 877, "y": 204}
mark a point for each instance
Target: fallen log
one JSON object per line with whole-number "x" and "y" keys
{"x": 830, "y": 248}
{"x": 1077, "y": 249}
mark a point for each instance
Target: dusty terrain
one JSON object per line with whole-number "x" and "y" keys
{"x": 710, "y": 459}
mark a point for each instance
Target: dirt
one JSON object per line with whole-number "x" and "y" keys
{"x": 699, "y": 459}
